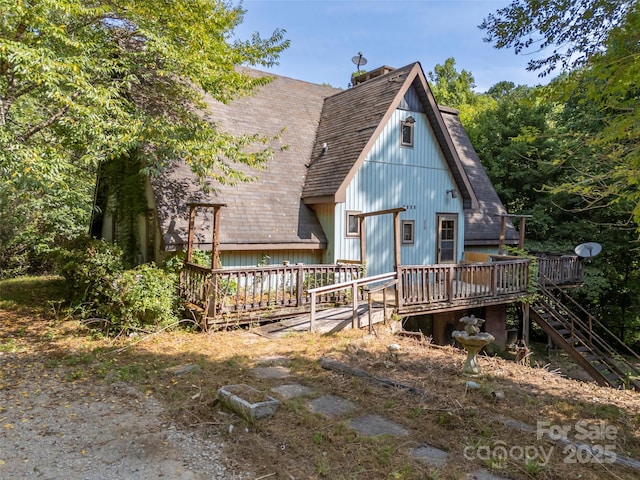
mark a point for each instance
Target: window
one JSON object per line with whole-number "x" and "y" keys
{"x": 353, "y": 224}
{"x": 406, "y": 134}
{"x": 408, "y": 228}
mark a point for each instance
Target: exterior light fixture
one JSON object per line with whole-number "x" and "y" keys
{"x": 453, "y": 192}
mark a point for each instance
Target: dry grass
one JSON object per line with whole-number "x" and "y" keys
{"x": 295, "y": 443}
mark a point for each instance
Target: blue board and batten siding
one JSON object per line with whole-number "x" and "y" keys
{"x": 392, "y": 176}
{"x": 252, "y": 258}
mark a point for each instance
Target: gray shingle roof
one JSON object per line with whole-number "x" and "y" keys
{"x": 268, "y": 210}
{"x": 482, "y": 225}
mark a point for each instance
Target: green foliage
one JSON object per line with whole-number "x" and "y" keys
{"x": 599, "y": 48}
{"x": 577, "y": 30}
{"x": 91, "y": 268}
{"x": 83, "y": 83}
{"x": 450, "y": 87}
{"x": 513, "y": 139}
{"x": 143, "y": 297}
{"x": 122, "y": 191}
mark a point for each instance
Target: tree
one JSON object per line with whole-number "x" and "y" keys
{"x": 597, "y": 43}
{"x": 450, "y": 87}
{"x": 84, "y": 82}
{"x": 575, "y": 30}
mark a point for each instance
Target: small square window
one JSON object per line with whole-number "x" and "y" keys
{"x": 406, "y": 134}
{"x": 353, "y": 224}
{"x": 408, "y": 229}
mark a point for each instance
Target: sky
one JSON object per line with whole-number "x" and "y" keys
{"x": 326, "y": 34}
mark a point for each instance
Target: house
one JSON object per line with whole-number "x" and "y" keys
{"x": 379, "y": 145}
{"x": 355, "y": 162}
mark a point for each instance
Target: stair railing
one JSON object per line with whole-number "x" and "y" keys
{"x": 591, "y": 321}
{"x": 595, "y": 342}
{"x": 352, "y": 285}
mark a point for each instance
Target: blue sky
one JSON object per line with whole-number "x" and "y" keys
{"x": 326, "y": 34}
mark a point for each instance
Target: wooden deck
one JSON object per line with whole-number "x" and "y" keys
{"x": 326, "y": 321}
{"x": 246, "y": 295}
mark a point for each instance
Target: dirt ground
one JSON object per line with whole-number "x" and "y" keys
{"x": 74, "y": 404}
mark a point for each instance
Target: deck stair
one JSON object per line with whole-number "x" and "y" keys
{"x": 587, "y": 348}
{"x": 328, "y": 321}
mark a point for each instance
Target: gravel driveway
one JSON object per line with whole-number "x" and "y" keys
{"x": 59, "y": 429}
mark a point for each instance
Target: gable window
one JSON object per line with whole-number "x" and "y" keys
{"x": 408, "y": 229}
{"x": 353, "y": 223}
{"x": 406, "y": 133}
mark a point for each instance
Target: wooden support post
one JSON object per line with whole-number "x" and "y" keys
{"x": 215, "y": 246}
{"x": 503, "y": 232}
{"x": 312, "y": 315}
{"x": 299, "y": 286}
{"x": 396, "y": 240}
{"x": 521, "y": 239}
{"x": 192, "y": 221}
{"x": 384, "y": 305}
{"x": 397, "y": 261}
{"x": 363, "y": 242}
{"x": 354, "y": 303}
{"x": 370, "y": 302}
{"x": 525, "y": 322}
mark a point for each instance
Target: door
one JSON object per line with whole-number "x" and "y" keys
{"x": 447, "y": 240}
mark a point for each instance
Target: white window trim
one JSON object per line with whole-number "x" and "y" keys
{"x": 412, "y": 241}
{"x": 404, "y": 123}
{"x": 348, "y": 214}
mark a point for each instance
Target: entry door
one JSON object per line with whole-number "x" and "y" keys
{"x": 447, "y": 238}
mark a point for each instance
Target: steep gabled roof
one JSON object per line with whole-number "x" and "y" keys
{"x": 482, "y": 225}
{"x": 267, "y": 212}
{"x": 350, "y": 124}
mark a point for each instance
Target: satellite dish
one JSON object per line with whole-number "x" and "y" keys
{"x": 359, "y": 60}
{"x": 588, "y": 250}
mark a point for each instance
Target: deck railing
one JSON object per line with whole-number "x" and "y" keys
{"x": 447, "y": 284}
{"x": 252, "y": 289}
{"x": 568, "y": 269}
{"x": 275, "y": 288}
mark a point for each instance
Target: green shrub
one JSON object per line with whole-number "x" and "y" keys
{"x": 91, "y": 267}
{"x": 143, "y": 297}
{"x": 139, "y": 298}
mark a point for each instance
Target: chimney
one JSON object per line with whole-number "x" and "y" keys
{"x": 363, "y": 77}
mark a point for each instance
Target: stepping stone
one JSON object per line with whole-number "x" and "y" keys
{"x": 292, "y": 390}
{"x": 484, "y": 475}
{"x": 272, "y": 373}
{"x": 430, "y": 455}
{"x": 331, "y": 406}
{"x": 372, "y": 425}
{"x": 273, "y": 360}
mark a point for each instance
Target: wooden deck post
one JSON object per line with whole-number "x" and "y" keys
{"x": 354, "y": 303}
{"x": 521, "y": 237}
{"x": 312, "y": 314}
{"x": 299, "y": 286}
{"x": 215, "y": 247}
{"x": 363, "y": 242}
{"x": 503, "y": 232}
{"x": 192, "y": 221}
{"x": 525, "y": 322}
{"x": 396, "y": 252}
